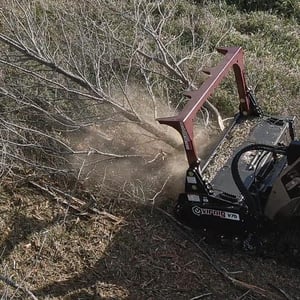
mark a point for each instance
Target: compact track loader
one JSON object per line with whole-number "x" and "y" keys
{"x": 259, "y": 181}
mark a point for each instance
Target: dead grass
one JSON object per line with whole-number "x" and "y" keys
{"x": 57, "y": 254}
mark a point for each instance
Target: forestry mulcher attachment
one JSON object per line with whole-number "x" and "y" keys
{"x": 259, "y": 181}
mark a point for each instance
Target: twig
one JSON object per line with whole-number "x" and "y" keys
{"x": 284, "y": 293}
{"x": 161, "y": 154}
{"x": 113, "y": 155}
{"x": 13, "y": 284}
{"x": 244, "y": 295}
{"x": 161, "y": 190}
{"x": 52, "y": 191}
{"x": 172, "y": 218}
{"x": 201, "y": 296}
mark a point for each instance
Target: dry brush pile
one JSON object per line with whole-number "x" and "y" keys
{"x": 102, "y": 68}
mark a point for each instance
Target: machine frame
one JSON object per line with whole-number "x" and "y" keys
{"x": 237, "y": 200}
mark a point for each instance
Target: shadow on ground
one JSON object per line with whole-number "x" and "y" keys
{"x": 143, "y": 261}
{"x": 149, "y": 258}
{"x": 146, "y": 257}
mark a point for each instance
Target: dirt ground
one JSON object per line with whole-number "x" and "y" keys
{"x": 129, "y": 246}
{"x": 128, "y": 251}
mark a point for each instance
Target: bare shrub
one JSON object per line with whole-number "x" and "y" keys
{"x": 69, "y": 67}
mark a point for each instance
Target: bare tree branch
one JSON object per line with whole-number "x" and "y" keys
{"x": 90, "y": 54}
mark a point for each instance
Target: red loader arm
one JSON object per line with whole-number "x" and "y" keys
{"x": 183, "y": 122}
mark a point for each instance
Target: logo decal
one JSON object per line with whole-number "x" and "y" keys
{"x": 199, "y": 211}
{"x": 196, "y": 210}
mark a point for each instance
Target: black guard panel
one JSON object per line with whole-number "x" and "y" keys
{"x": 268, "y": 131}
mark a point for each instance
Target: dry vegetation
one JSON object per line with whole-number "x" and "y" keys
{"x": 89, "y": 180}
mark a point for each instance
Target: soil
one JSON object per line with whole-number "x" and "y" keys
{"x": 141, "y": 253}
{"x": 129, "y": 246}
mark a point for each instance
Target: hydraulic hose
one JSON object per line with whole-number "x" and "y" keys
{"x": 251, "y": 202}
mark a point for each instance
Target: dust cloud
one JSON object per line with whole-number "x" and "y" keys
{"x": 131, "y": 163}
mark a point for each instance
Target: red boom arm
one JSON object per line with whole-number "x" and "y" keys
{"x": 183, "y": 122}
